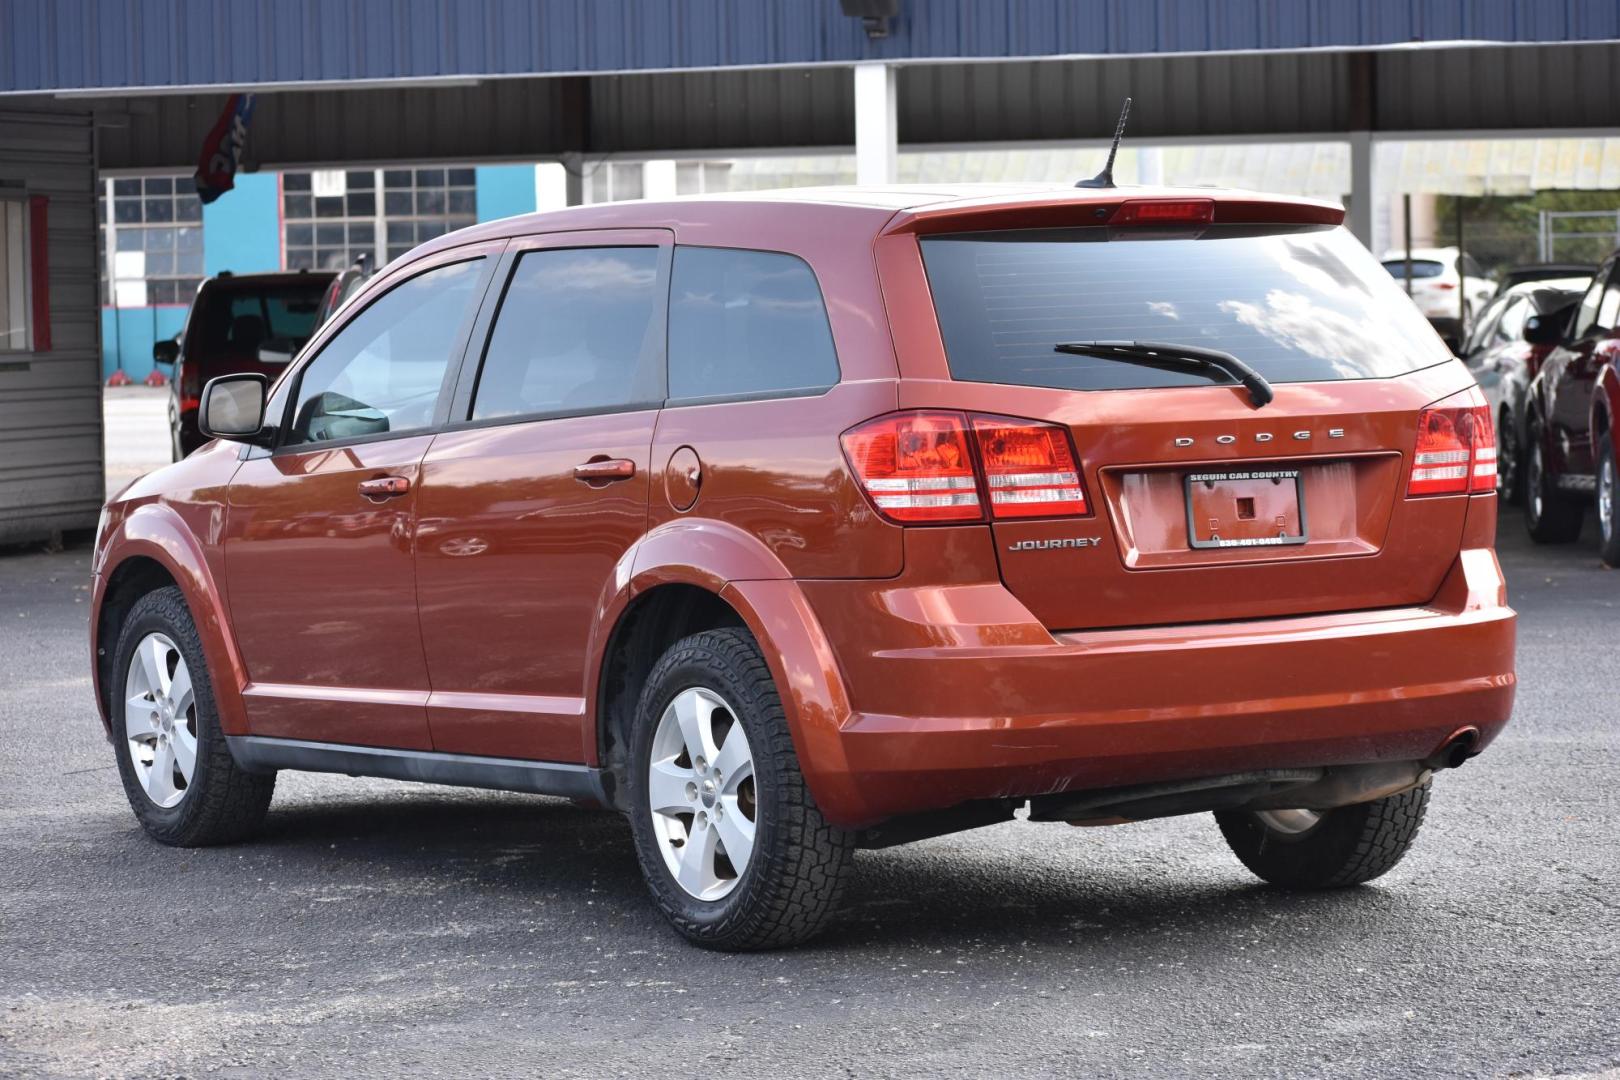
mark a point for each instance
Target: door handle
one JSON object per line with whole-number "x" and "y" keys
{"x": 385, "y": 487}
{"x": 593, "y": 472}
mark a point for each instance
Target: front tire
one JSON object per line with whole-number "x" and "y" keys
{"x": 178, "y": 774}
{"x": 1326, "y": 849}
{"x": 1509, "y": 469}
{"x": 1608, "y": 492}
{"x": 1550, "y": 516}
{"x": 734, "y": 850}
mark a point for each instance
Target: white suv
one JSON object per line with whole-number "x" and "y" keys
{"x": 1437, "y": 273}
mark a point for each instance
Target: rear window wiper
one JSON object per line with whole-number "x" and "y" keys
{"x": 1168, "y": 357}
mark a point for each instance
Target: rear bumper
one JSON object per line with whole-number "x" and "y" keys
{"x": 952, "y": 700}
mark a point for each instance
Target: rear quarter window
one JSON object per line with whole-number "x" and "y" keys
{"x": 1299, "y": 304}
{"x": 745, "y": 323}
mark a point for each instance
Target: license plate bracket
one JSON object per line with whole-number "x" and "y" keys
{"x": 1246, "y": 508}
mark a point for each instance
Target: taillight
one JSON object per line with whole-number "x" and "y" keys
{"x": 190, "y": 387}
{"x": 1456, "y": 447}
{"x": 1029, "y": 469}
{"x": 1164, "y": 212}
{"x": 1445, "y": 285}
{"x": 917, "y": 467}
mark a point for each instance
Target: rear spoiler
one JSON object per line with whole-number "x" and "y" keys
{"x": 1068, "y": 209}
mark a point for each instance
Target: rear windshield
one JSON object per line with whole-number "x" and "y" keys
{"x": 1299, "y": 304}
{"x": 238, "y": 322}
{"x": 1421, "y": 268}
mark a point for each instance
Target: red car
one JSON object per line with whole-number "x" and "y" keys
{"x": 789, "y": 525}
{"x": 1606, "y": 447}
{"x": 237, "y": 322}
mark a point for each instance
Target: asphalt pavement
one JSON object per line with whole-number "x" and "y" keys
{"x": 385, "y": 929}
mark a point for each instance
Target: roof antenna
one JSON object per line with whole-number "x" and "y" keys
{"x": 1105, "y": 178}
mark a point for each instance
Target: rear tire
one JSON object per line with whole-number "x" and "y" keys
{"x": 1346, "y": 846}
{"x": 1608, "y": 503}
{"x": 795, "y": 866}
{"x": 212, "y": 802}
{"x": 1550, "y": 516}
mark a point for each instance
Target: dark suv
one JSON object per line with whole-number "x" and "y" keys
{"x": 237, "y": 322}
{"x": 792, "y": 524}
{"x": 1567, "y": 419}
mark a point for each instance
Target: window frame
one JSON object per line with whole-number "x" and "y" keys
{"x": 289, "y": 386}
{"x": 25, "y": 248}
{"x": 472, "y": 367}
{"x": 758, "y": 395}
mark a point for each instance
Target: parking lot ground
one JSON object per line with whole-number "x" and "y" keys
{"x": 379, "y": 929}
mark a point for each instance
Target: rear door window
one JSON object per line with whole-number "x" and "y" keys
{"x": 575, "y": 334}
{"x": 744, "y": 323}
{"x": 1299, "y": 304}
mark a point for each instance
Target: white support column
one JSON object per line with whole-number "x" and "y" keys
{"x": 1362, "y": 195}
{"x": 658, "y": 180}
{"x": 550, "y": 186}
{"x": 877, "y": 138}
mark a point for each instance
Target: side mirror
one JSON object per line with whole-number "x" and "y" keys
{"x": 1547, "y": 329}
{"x": 166, "y": 351}
{"x": 233, "y": 407}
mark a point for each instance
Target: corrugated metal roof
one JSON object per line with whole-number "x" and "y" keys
{"x": 74, "y": 44}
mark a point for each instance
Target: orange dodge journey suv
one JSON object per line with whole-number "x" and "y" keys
{"x": 798, "y": 523}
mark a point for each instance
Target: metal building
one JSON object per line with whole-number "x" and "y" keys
{"x": 50, "y": 358}
{"x": 135, "y": 84}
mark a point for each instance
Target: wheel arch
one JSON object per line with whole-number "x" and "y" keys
{"x": 1605, "y": 402}
{"x": 692, "y": 575}
{"x": 152, "y": 548}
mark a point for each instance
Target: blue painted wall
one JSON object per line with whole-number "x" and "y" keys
{"x": 241, "y": 233}
{"x": 67, "y": 44}
{"x": 242, "y": 228}
{"x": 505, "y": 190}
{"x": 127, "y": 335}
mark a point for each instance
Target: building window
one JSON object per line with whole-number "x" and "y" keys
{"x": 13, "y": 275}
{"x": 152, "y": 241}
{"x": 614, "y": 181}
{"x": 702, "y": 177}
{"x": 331, "y": 217}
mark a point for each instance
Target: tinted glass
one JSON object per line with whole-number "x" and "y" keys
{"x": 1421, "y": 268}
{"x": 574, "y": 334}
{"x": 238, "y": 322}
{"x": 1299, "y": 304}
{"x": 746, "y": 322}
{"x": 383, "y": 370}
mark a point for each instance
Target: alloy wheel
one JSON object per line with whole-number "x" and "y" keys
{"x": 1532, "y": 479}
{"x": 160, "y": 720}
{"x": 1605, "y": 498}
{"x": 701, "y": 793}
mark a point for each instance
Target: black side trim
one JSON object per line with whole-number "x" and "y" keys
{"x": 256, "y": 753}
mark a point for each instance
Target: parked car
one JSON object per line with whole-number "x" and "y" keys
{"x": 344, "y": 286}
{"x": 1544, "y": 272}
{"x": 792, "y": 524}
{"x": 1504, "y": 362}
{"x": 237, "y": 322}
{"x": 1561, "y": 447}
{"x": 1606, "y": 439}
{"x": 1437, "y": 275}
